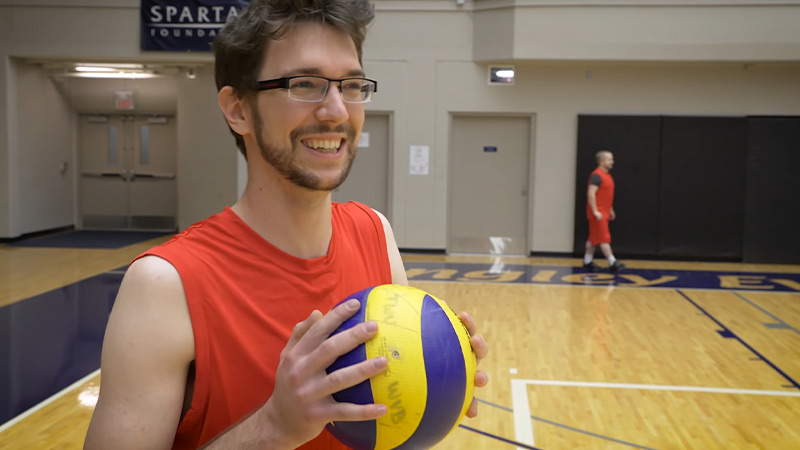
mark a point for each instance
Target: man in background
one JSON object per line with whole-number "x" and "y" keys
{"x": 599, "y": 211}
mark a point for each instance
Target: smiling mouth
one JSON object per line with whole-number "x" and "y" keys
{"x": 323, "y": 145}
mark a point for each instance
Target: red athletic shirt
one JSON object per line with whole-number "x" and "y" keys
{"x": 245, "y": 296}
{"x": 604, "y": 195}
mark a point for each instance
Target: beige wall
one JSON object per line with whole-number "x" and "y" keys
{"x": 207, "y": 153}
{"x": 45, "y": 141}
{"x": 658, "y": 33}
{"x": 558, "y": 93}
{"x": 422, "y": 52}
{"x": 404, "y": 51}
{"x": 424, "y": 62}
{"x": 5, "y": 143}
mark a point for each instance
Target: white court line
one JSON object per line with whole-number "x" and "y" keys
{"x": 522, "y": 412}
{"x": 523, "y": 425}
{"x": 46, "y": 402}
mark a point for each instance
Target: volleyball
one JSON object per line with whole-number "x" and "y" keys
{"x": 429, "y": 382}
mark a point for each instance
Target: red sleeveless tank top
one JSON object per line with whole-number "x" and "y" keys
{"x": 605, "y": 194}
{"x": 245, "y": 296}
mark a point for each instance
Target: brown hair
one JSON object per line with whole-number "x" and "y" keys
{"x": 239, "y": 49}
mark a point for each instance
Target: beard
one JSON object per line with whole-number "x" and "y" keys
{"x": 284, "y": 161}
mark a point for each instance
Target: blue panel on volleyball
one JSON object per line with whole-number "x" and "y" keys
{"x": 447, "y": 379}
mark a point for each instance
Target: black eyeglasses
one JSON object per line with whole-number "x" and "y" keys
{"x": 307, "y": 88}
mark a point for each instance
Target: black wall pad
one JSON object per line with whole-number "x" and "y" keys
{"x": 772, "y": 201}
{"x": 701, "y": 194}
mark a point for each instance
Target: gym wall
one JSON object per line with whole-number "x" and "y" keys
{"x": 431, "y": 58}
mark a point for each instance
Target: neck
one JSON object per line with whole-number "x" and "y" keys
{"x": 294, "y": 219}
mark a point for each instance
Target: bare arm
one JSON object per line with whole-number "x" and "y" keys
{"x": 146, "y": 354}
{"x": 398, "y": 270}
{"x": 591, "y": 196}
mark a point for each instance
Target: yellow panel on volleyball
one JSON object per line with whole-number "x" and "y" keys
{"x": 399, "y": 340}
{"x": 470, "y": 361}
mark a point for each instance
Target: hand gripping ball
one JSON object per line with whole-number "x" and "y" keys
{"x": 429, "y": 382}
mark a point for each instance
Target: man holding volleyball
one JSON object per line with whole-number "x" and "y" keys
{"x": 216, "y": 339}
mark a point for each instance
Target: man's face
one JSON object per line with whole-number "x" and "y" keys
{"x": 607, "y": 162}
{"x": 310, "y": 144}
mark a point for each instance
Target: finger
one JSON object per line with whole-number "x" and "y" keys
{"x": 481, "y": 379}
{"x": 479, "y": 346}
{"x": 323, "y": 327}
{"x": 473, "y": 408}
{"x": 468, "y": 322}
{"x": 302, "y": 328}
{"x": 349, "y": 376}
{"x": 339, "y": 344}
{"x": 348, "y": 412}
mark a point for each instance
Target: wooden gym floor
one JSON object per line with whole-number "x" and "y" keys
{"x": 664, "y": 355}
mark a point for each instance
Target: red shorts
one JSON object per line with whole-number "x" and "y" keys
{"x": 598, "y": 231}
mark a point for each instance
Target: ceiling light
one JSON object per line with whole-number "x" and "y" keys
{"x": 505, "y": 73}
{"x": 94, "y": 69}
{"x": 132, "y": 75}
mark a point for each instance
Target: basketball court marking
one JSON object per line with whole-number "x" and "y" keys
{"x": 779, "y": 324}
{"x": 576, "y": 276}
{"x": 567, "y": 427}
{"x": 49, "y": 400}
{"x": 521, "y": 407}
{"x": 523, "y": 427}
{"x": 508, "y": 441}
{"x": 725, "y": 332}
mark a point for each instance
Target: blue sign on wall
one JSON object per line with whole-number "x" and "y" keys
{"x": 490, "y": 149}
{"x": 185, "y": 25}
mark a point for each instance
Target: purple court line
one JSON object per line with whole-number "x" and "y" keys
{"x": 508, "y": 441}
{"x": 727, "y": 333}
{"x": 781, "y": 324}
{"x": 567, "y": 427}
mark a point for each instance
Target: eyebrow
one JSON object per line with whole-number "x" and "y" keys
{"x": 316, "y": 71}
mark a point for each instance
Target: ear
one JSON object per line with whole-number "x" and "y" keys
{"x": 235, "y": 109}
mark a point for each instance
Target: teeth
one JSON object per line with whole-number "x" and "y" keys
{"x": 324, "y": 145}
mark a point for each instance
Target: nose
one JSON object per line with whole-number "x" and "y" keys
{"x": 333, "y": 108}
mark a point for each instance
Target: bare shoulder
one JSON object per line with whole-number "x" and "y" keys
{"x": 147, "y": 349}
{"x": 383, "y": 218}
{"x": 153, "y": 272}
{"x": 152, "y": 294}
{"x": 395, "y": 260}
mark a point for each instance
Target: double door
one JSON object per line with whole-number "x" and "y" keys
{"x": 128, "y": 166}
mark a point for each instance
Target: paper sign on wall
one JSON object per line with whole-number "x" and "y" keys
{"x": 420, "y": 160}
{"x": 363, "y": 141}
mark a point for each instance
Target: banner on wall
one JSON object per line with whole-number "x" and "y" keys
{"x": 185, "y": 25}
